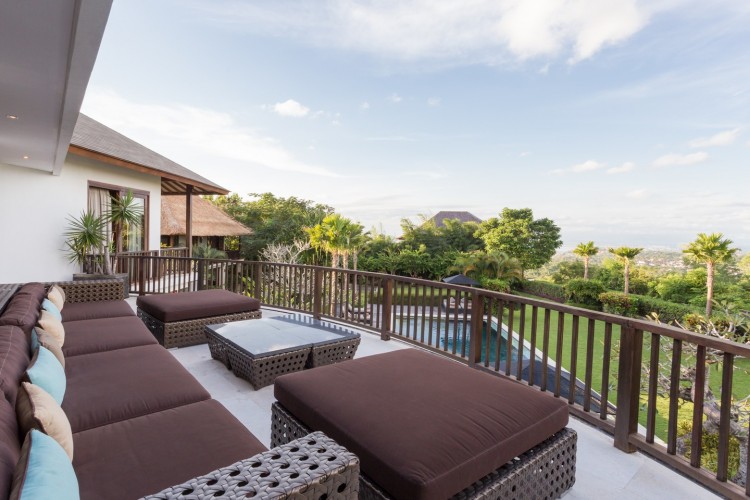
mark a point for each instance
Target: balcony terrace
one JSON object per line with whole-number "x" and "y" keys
{"x": 394, "y": 312}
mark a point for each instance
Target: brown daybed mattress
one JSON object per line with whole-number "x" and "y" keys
{"x": 172, "y": 307}
{"x": 77, "y": 311}
{"x": 422, "y": 426}
{"x": 105, "y": 334}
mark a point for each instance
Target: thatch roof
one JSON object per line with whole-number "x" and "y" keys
{"x": 91, "y": 138}
{"x": 446, "y": 215}
{"x": 208, "y": 219}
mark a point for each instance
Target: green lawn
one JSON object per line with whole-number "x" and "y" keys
{"x": 741, "y": 380}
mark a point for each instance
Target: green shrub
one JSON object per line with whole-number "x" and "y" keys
{"x": 584, "y": 292}
{"x": 543, "y": 289}
{"x": 618, "y": 303}
{"x": 641, "y": 305}
{"x": 496, "y": 285}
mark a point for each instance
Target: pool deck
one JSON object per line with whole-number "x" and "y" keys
{"x": 601, "y": 471}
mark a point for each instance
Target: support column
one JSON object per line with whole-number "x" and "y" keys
{"x": 189, "y": 221}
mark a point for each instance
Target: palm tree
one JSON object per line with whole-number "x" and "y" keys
{"x": 711, "y": 249}
{"x": 497, "y": 265}
{"x": 586, "y": 250}
{"x": 626, "y": 254}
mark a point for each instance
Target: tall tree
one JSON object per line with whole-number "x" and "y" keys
{"x": 586, "y": 251}
{"x": 532, "y": 241}
{"x": 273, "y": 219}
{"x": 626, "y": 255}
{"x": 711, "y": 249}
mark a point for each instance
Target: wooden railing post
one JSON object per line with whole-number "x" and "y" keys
{"x": 201, "y": 273}
{"x": 257, "y": 279}
{"x": 628, "y": 387}
{"x": 385, "y": 326}
{"x": 141, "y": 275}
{"x": 318, "y": 293}
{"x": 475, "y": 341}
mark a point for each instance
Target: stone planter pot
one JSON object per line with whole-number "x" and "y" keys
{"x": 124, "y": 277}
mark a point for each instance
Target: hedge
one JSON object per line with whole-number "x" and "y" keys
{"x": 543, "y": 289}
{"x": 641, "y": 305}
{"x": 585, "y": 292}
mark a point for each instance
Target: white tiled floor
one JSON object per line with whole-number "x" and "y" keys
{"x": 602, "y": 472}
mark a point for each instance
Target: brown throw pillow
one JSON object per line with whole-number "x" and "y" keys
{"x": 53, "y": 326}
{"x": 56, "y": 295}
{"x": 38, "y": 410}
{"x": 51, "y": 343}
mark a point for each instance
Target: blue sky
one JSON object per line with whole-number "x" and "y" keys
{"x": 626, "y": 122}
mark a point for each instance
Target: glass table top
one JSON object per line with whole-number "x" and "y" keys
{"x": 280, "y": 333}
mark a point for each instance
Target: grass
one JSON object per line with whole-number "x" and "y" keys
{"x": 741, "y": 380}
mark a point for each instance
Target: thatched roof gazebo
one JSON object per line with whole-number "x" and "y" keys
{"x": 210, "y": 223}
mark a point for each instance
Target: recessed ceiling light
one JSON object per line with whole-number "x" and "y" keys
{"x": 11, "y": 117}
{"x": 25, "y": 157}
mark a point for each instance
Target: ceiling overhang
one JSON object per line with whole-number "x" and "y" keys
{"x": 47, "y": 53}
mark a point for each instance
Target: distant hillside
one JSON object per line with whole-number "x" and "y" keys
{"x": 665, "y": 259}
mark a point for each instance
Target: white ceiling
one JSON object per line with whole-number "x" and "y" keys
{"x": 47, "y": 53}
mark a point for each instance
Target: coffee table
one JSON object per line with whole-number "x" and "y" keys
{"x": 260, "y": 350}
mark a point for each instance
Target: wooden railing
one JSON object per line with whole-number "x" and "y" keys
{"x": 615, "y": 372}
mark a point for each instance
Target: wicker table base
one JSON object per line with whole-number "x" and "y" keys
{"x": 545, "y": 471}
{"x": 189, "y": 332}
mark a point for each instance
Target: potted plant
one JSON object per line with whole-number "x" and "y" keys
{"x": 88, "y": 241}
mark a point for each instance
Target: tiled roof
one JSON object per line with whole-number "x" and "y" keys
{"x": 447, "y": 215}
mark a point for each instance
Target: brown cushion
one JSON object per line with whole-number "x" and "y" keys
{"x": 422, "y": 426}
{"x": 10, "y": 446}
{"x": 36, "y": 409}
{"x": 53, "y": 326}
{"x": 194, "y": 305}
{"x": 163, "y": 449}
{"x": 106, "y": 387}
{"x": 78, "y": 311}
{"x": 35, "y": 290}
{"x": 14, "y": 358}
{"x": 105, "y": 334}
{"x": 21, "y": 311}
{"x": 56, "y": 295}
{"x": 50, "y": 343}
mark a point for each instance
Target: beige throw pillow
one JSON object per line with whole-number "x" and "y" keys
{"x": 50, "y": 343}
{"x": 56, "y": 295}
{"x": 50, "y": 324}
{"x": 36, "y": 409}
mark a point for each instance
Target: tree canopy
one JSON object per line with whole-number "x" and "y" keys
{"x": 532, "y": 241}
{"x": 711, "y": 249}
{"x": 273, "y": 219}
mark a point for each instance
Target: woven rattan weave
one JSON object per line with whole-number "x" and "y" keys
{"x": 260, "y": 371}
{"x": 545, "y": 471}
{"x": 188, "y": 332}
{"x": 92, "y": 290}
{"x": 327, "y": 354}
{"x": 312, "y": 467}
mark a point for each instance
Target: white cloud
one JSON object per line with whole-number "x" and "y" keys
{"x": 364, "y": 106}
{"x": 580, "y": 168}
{"x": 673, "y": 159}
{"x": 637, "y": 193}
{"x": 483, "y": 31}
{"x": 721, "y": 139}
{"x": 625, "y": 167}
{"x": 523, "y": 154}
{"x": 191, "y": 133}
{"x": 292, "y": 108}
{"x": 394, "y": 98}
{"x": 433, "y": 102}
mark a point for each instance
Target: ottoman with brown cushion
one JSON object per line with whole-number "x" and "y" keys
{"x": 177, "y": 319}
{"x": 425, "y": 427}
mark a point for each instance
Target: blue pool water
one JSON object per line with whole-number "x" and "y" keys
{"x": 447, "y": 333}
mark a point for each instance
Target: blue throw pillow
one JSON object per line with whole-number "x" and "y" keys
{"x": 34, "y": 341}
{"x": 48, "y": 306}
{"x": 44, "y": 470}
{"x": 46, "y": 372}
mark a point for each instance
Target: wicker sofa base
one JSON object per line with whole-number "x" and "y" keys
{"x": 188, "y": 332}
{"x": 312, "y": 467}
{"x": 545, "y": 471}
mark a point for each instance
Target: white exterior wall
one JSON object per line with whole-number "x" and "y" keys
{"x": 34, "y": 207}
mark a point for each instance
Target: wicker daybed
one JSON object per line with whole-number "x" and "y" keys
{"x": 177, "y": 319}
{"x": 425, "y": 427}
